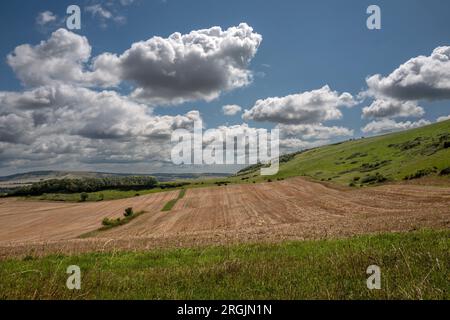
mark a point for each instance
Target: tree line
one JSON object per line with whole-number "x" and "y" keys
{"x": 86, "y": 185}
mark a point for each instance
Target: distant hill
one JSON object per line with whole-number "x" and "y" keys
{"x": 405, "y": 155}
{"x": 21, "y": 179}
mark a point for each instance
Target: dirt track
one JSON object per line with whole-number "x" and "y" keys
{"x": 290, "y": 209}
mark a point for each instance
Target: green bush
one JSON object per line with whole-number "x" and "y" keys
{"x": 376, "y": 178}
{"x": 83, "y": 196}
{"x": 107, "y": 222}
{"x": 445, "y": 171}
{"x": 128, "y": 212}
{"x": 420, "y": 173}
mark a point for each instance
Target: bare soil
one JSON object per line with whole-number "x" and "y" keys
{"x": 293, "y": 209}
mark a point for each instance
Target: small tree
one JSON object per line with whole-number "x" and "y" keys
{"x": 128, "y": 212}
{"x": 83, "y": 196}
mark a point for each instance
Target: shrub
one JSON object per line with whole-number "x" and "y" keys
{"x": 420, "y": 173}
{"x": 366, "y": 167}
{"x": 128, "y": 212}
{"x": 83, "y": 196}
{"x": 445, "y": 171}
{"x": 107, "y": 222}
{"x": 220, "y": 183}
{"x": 376, "y": 178}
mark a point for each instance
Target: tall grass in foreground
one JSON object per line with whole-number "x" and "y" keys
{"x": 413, "y": 266}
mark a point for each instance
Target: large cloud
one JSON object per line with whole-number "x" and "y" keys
{"x": 92, "y": 114}
{"x": 303, "y": 108}
{"x": 194, "y": 66}
{"x": 390, "y": 108}
{"x": 60, "y": 59}
{"x": 388, "y": 125}
{"x": 422, "y": 77}
{"x": 60, "y": 122}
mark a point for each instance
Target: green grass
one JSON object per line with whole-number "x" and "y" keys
{"x": 171, "y": 203}
{"x": 413, "y": 266}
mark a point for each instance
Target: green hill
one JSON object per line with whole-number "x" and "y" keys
{"x": 397, "y": 156}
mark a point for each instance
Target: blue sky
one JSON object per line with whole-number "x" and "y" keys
{"x": 305, "y": 46}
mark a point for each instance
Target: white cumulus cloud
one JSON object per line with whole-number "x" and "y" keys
{"x": 60, "y": 59}
{"x": 390, "y": 108}
{"x": 422, "y": 77}
{"x": 199, "y": 65}
{"x": 303, "y": 108}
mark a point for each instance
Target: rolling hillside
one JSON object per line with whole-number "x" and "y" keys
{"x": 393, "y": 157}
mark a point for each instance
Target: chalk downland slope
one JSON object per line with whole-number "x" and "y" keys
{"x": 406, "y": 155}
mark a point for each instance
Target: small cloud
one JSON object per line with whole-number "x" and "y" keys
{"x": 45, "y": 18}
{"x": 231, "y": 109}
{"x": 126, "y": 2}
{"x": 104, "y": 15}
{"x": 99, "y": 11}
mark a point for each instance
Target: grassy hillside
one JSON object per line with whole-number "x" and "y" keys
{"x": 413, "y": 266}
{"x": 404, "y": 155}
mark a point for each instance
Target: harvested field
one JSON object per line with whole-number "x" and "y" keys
{"x": 292, "y": 209}
{"x": 30, "y": 221}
